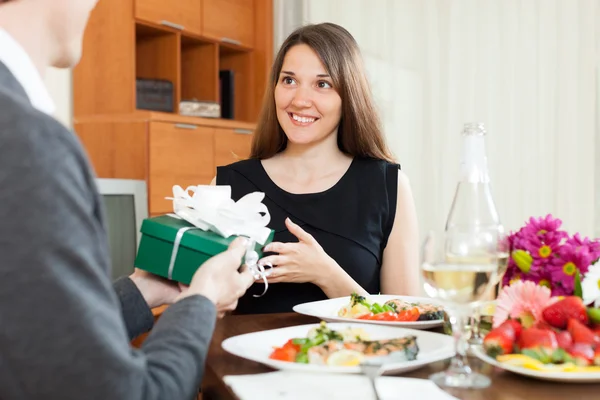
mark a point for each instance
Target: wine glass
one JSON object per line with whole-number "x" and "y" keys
{"x": 459, "y": 281}
{"x": 476, "y": 339}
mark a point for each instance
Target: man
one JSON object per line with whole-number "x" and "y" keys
{"x": 64, "y": 330}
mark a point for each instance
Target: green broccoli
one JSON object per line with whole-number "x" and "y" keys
{"x": 375, "y": 307}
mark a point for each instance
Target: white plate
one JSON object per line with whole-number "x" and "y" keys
{"x": 574, "y": 377}
{"x": 258, "y": 346}
{"x": 327, "y": 310}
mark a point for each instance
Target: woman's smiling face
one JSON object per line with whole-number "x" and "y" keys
{"x": 309, "y": 109}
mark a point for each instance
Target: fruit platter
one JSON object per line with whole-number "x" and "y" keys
{"x": 552, "y": 338}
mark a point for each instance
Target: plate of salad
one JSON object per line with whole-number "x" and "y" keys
{"x": 402, "y": 311}
{"x": 341, "y": 347}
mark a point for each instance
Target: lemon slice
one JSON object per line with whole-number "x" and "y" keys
{"x": 345, "y": 358}
{"x": 590, "y": 368}
{"x": 520, "y": 360}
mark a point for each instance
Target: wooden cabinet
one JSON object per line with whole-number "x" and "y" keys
{"x": 232, "y": 145}
{"x": 185, "y": 15}
{"x": 179, "y": 154}
{"x": 184, "y": 42}
{"x": 229, "y": 21}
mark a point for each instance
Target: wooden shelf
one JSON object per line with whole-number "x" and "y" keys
{"x": 242, "y": 64}
{"x": 157, "y": 57}
{"x": 187, "y": 43}
{"x": 148, "y": 116}
{"x": 199, "y": 69}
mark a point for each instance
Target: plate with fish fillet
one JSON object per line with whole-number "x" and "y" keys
{"x": 392, "y": 310}
{"x": 341, "y": 347}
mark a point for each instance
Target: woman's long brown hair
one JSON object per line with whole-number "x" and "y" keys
{"x": 360, "y": 133}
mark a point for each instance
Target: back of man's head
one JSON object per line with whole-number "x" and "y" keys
{"x": 51, "y": 31}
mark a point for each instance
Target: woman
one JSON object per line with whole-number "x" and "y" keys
{"x": 343, "y": 213}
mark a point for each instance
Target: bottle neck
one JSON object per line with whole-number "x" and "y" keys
{"x": 473, "y": 167}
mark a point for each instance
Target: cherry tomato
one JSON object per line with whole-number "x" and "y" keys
{"x": 412, "y": 314}
{"x": 284, "y": 354}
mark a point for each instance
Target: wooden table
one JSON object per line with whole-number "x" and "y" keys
{"x": 505, "y": 385}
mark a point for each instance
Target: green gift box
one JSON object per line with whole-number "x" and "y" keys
{"x": 157, "y": 244}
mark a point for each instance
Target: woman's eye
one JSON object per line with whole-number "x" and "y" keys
{"x": 324, "y": 85}
{"x": 287, "y": 80}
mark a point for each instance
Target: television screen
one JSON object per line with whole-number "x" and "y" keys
{"x": 126, "y": 205}
{"x": 122, "y": 232}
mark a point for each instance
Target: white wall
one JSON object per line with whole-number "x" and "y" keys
{"x": 60, "y": 86}
{"x": 526, "y": 69}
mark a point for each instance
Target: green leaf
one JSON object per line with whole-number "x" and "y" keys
{"x": 559, "y": 356}
{"x": 578, "y": 291}
{"x": 539, "y": 354}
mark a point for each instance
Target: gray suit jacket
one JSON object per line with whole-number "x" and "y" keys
{"x": 64, "y": 328}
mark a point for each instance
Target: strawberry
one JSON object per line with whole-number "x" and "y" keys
{"x": 541, "y": 324}
{"x": 501, "y": 339}
{"x": 539, "y": 344}
{"x": 564, "y": 339}
{"x": 498, "y": 342}
{"x": 514, "y": 325}
{"x": 558, "y": 314}
{"x": 532, "y": 338}
{"x": 580, "y": 333}
{"x": 583, "y": 354}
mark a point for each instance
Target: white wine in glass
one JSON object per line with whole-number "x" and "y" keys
{"x": 500, "y": 258}
{"x": 459, "y": 284}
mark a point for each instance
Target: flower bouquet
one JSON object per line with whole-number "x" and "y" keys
{"x": 547, "y": 314}
{"x": 542, "y": 253}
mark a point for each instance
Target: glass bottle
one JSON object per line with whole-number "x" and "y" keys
{"x": 473, "y": 227}
{"x": 474, "y": 240}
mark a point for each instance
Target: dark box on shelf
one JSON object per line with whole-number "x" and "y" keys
{"x": 227, "y": 92}
{"x": 154, "y": 95}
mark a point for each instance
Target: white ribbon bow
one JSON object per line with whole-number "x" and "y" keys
{"x": 211, "y": 208}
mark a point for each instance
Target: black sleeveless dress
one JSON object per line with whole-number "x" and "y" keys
{"x": 352, "y": 221}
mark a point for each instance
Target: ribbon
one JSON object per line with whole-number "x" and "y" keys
{"x": 250, "y": 259}
{"x": 258, "y": 270}
{"x": 175, "y": 250}
{"x": 211, "y": 208}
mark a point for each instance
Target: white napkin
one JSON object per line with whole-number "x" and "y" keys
{"x": 290, "y": 385}
{"x": 211, "y": 208}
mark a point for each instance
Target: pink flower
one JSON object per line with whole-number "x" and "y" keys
{"x": 562, "y": 270}
{"x": 523, "y": 300}
{"x": 544, "y": 226}
{"x": 540, "y": 249}
{"x": 593, "y": 246}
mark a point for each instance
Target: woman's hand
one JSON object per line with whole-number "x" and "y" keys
{"x": 304, "y": 261}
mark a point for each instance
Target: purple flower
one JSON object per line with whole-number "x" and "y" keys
{"x": 544, "y": 229}
{"x": 570, "y": 258}
{"x": 593, "y": 246}
{"x": 539, "y": 249}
